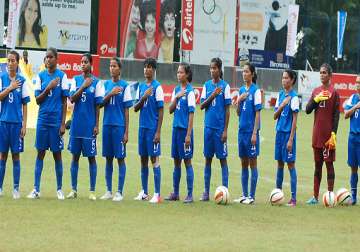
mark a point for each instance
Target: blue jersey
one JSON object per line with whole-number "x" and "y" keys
{"x": 11, "y": 106}
{"x": 84, "y": 114}
{"x": 285, "y": 120}
{"x": 354, "y": 119}
{"x": 249, "y": 107}
{"x": 50, "y": 110}
{"x": 184, "y": 106}
{"x": 149, "y": 113}
{"x": 114, "y": 110}
{"x": 215, "y": 113}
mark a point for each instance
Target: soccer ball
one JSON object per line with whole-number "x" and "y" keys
{"x": 329, "y": 199}
{"x": 276, "y": 197}
{"x": 343, "y": 197}
{"x": 222, "y": 196}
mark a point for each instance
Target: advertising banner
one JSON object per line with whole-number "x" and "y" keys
{"x": 268, "y": 59}
{"x": 341, "y": 23}
{"x": 108, "y": 28}
{"x": 62, "y": 24}
{"x": 187, "y": 25}
{"x": 70, "y": 64}
{"x": 2, "y": 9}
{"x": 345, "y": 84}
{"x": 293, "y": 18}
{"x": 13, "y": 18}
{"x": 147, "y": 29}
{"x": 214, "y": 31}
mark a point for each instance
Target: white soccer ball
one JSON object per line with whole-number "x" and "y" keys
{"x": 222, "y": 196}
{"x": 276, "y": 197}
{"x": 329, "y": 199}
{"x": 343, "y": 197}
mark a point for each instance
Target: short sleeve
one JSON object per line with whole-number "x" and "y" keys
{"x": 25, "y": 97}
{"x": 227, "y": 95}
{"x": 295, "y": 104}
{"x": 203, "y": 94}
{"x": 191, "y": 101}
{"x": 173, "y": 95}
{"x": 257, "y": 100}
{"x": 277, "y": 102}
{"x": 159, "y": 97}
{"x": 72, "y": 86}
{"x": 349, "y": 103}
{"x": 37, "y": 85}
{"x": 127, "y": 97}
{"x": 99, "y": 92}
{"x": 65, "y": 85}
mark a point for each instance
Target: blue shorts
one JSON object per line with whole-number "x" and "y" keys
{"x": 48, "y": 137}
{"x": 86, "y": 146}
{"x": 112, "y": 141}
{"x": 146, "y": 145}
{"x": 354, "y": 150}
{"x": 10, "y": 137}
{"x": 213, "y": 144}
{"x": 281, "y": 152}
{"x": 245, "y": 148}
{"x": 178, "y": 148}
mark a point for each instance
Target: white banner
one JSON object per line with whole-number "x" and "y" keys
{"x": 63, "y": 24}
{"x": 13, "y": 18}
{"x": 292, "y": 29}
{"x": 2, "y": 9}
{"x": 307, "y": 81}
{"x": 214, "y": 31}
{"x": 263, "y": 25}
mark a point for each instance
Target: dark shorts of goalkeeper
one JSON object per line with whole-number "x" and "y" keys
{"x": 324, "y": 155}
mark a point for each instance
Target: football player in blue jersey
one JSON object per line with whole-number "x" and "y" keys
{"x": 14, "y": 97}
{"x": 51, "y": 92}
{"x": 286, "y": 111}
{"x": 248, "y": 110}
{"x": 216, "y": 100}
{"x": 87, "y": 92}
{"x": 117, "y": 101}
{"x": 352, "y": 108}
{"x": 183, "y": 106}
{"x": 150, "y": 103}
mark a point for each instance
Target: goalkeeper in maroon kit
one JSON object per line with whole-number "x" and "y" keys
{"x": 325, "y": 102}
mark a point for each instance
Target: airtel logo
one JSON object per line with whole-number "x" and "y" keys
{"x": 187, "y": 36}
{"x": 103, "y": 48}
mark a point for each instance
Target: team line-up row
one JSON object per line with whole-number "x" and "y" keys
{"x": 88, "y": 94}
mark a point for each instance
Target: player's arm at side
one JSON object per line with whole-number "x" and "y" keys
{"x": 350, "y": 108}
{"x": 336, "y": 113}
{"x": 258, "y": 107}
{"x": 227, "y": 99}
{"x": 99, "y": 97}
{"x": 295, "y": 107}
{"x": 64, "y": 96}
{"x": 159, "y": 96}
{"x": 25, "y": 98}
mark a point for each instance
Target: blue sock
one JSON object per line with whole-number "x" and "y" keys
{"x": 74, "y": 169}
{"x": 108, "y": 174}
{"x": 16, "y": 174}
{"x": 122, "y": 174}
{"x": 144, "y": 178}
{"x": 190, "y": 179}
{"x": 279, "y": 177}
{"x": 2, "y": 172}
{"x": 93, "y": 174}
{"x": 254, "y": 178}
{"x": 176, "y": 179}
{"x": 353, "y": 185}
{"x": 207, "y": 177}
{"x": 59, "y": 174}
{"x": 245, "y": 181}
{"x": 225, "y": 175}
{"x": 293, "y": 182}
{"x": 157, "y": 179}
{"x": 39, "y": 164}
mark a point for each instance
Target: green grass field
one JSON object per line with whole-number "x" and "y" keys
{"x": 80, "y": 225}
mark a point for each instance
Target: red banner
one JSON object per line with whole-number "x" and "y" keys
{"x": 345, "y": 84}
{"x": 187, "y": 25}
{"x": 108, "y": 27}
{"x": 70, "y": 64}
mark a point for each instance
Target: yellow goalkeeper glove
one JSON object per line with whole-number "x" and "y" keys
{"x": 331, "y": 143}
{"x": 322, "y": 96}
